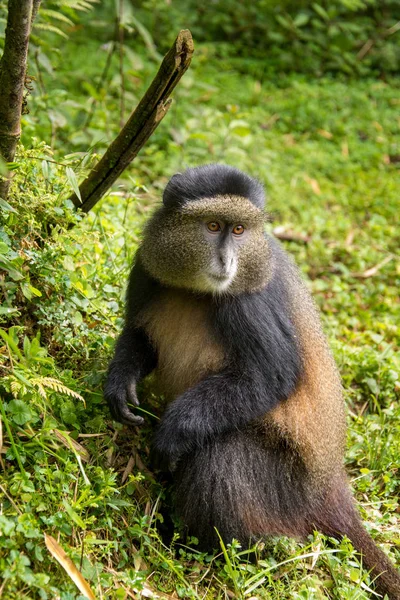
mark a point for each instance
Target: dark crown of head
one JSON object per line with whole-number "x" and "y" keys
{"x": 209, "y": 181}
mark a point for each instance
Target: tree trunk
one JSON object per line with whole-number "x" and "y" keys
{"x": 12, "y": 78}
{"x": 141, "y": 124}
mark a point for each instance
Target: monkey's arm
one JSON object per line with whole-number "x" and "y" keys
{"x": 134, "y": 358}
{"x": 218, "y": 404}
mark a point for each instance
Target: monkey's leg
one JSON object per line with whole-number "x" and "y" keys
{"x": 243, "y": 489}
{"x": 337, "y": 517}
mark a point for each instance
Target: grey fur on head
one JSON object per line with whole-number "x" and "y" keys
{"x": 209, "y": 181}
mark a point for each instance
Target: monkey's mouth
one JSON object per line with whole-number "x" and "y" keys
{"x": 220, "y": 278}
{"x": 218, "y": 283}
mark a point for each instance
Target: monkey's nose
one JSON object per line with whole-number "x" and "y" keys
{"x": 226, "y": 261}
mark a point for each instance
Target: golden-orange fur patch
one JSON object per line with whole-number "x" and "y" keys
{"x": 313, "y": 417}
{"x": 187, "y": 350}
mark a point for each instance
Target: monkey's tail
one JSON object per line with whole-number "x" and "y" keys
{"x": 340, "y": 518}
{"x": 375, "y": 560}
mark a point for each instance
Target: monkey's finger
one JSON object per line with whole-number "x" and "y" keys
{"x": 131, "y": 393}
{"x": 128, "y": 418}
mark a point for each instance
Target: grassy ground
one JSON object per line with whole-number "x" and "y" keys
{"x": 328, "y": 153}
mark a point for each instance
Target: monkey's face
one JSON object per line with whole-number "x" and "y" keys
{"x": 213, "y": 245}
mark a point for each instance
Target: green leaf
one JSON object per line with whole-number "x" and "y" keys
{"x": 77, "y": 318}
{"x": 45, "y": 169}
{"x": 73, "y": 182}
{"x": 240, "y": 127}
{"x": 373, "y": 385}
{"x": 355, "y": 575}
{"x": 7, "y": 526}
{"x": 148, "y": 40}
{"x": 68, "y": 263}
{"x": 7, "y": 265}
{"x": 27, "y": 346}
{"x": 29, "y": 291}
{"x": 13, "y": 166}
{"x": 73, "y": 515}
{"x": 284, "y": 22}
{"x": 35, "y": 291}
{"x": 9, "y": 340}
{"x": 321, "y": 11}
{"x": 19, "y": 411}
{"x": 6, "y": 207}
{"x": 8, "y": 310}
{"x": 301, "y": 19}
{"x": 241, "y": 131}
{"x": 68, "y": 413}
{"x": 24, "y": 380}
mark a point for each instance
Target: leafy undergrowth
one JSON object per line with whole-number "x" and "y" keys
{"x": 328, "y": 154}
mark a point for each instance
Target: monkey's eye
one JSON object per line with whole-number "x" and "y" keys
{"x": 213, "y": 226}
{"x": 238, "y": 230}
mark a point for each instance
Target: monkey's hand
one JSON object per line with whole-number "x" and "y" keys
{"x": 134, "y": 358}
{"x": 176, "y": 434}
{"x": 119, "y": 393}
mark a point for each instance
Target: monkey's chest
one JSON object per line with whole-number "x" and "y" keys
{"x": 178, "y": 326}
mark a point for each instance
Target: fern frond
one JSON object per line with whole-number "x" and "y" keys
{"x": 48, "y": 27}
{"x": 82, "y": 5}
{"x": 41, "y": 389}
{"x": 56, "y": 386}
{"x": 15, "y": 387}
{"x": 53, "y": 14}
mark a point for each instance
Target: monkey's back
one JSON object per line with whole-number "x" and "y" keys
{"x": 313, "y": 416}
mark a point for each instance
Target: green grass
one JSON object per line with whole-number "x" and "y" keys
{"x": 327, "y": 152}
